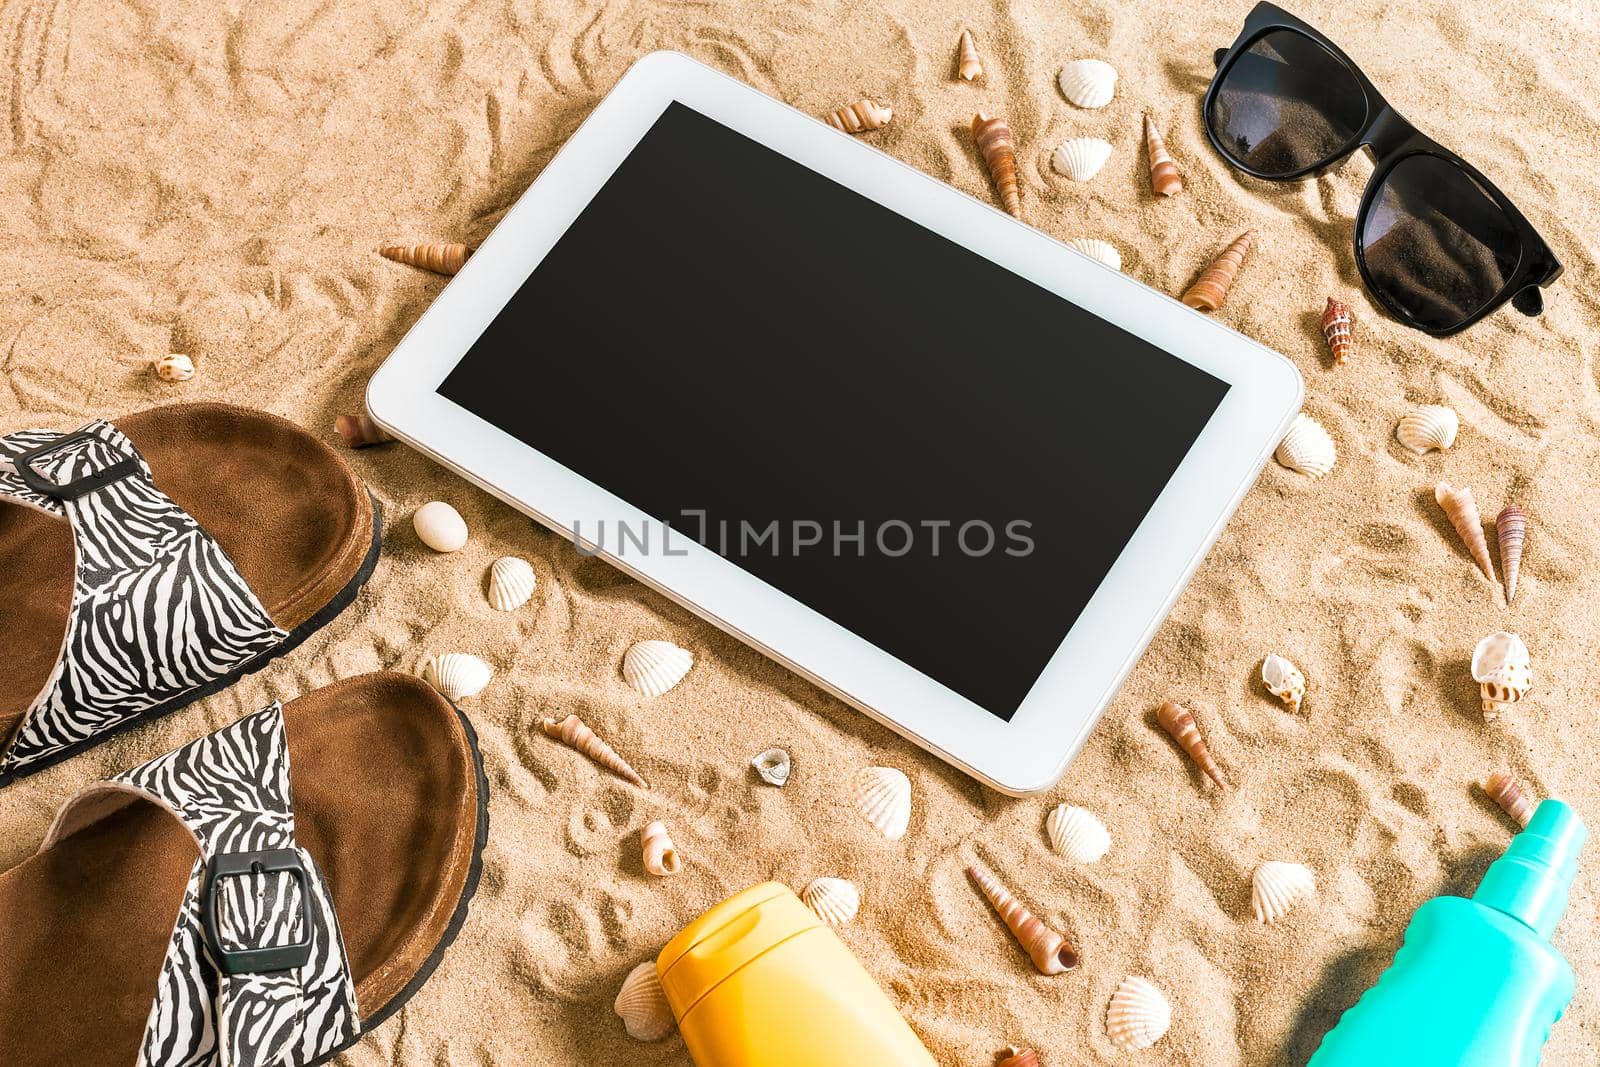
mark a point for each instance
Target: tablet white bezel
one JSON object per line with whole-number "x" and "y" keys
{"x": 1031, "y": 751}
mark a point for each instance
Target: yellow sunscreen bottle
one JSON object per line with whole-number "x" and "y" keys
{"x": 760, "y": 981}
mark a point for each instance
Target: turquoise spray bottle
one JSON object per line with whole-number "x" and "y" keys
{"x": 1476, "y": 982}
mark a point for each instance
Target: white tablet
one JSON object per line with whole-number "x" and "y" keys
{"x": 930, "y": 458}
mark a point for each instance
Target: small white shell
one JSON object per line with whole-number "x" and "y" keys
{"x": 440, "y": 526}
{"x": 1089, "y": 82}
{"x": 774, "y": 766}
{"x": 642, "y": 1004}
{"x": 1138, "y": 1015}
{"x": 653, "y": 667}
{"x": 835, "y": 900}
{"x": 174, "y": 367}
{"x": 1077, "y": 833}
{"x": 1283, "y": 680}
{"x": 1081, "y": 158}
{"x": 458, "y": 675}
{"x": 660, "y": 855}
{"x": 1307, "y": 448}
{"x": 1278, "y": 887}
{"x": 1502, "y": 668}
{"x": 883, "y": 798}
{"x": 511, "y": 583}
{"x": 1427, "y": 428}
{"x": 1097, "y": 249}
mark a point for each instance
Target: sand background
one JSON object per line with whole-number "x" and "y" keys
{"x": 213, "y": 179}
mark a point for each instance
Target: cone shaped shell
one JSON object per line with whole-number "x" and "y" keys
{"x": 642, "y": 1005}
{"x": 1511, "y": 530}
{"x": 359, "y": 431}
{"x": 1462, "y": 511}
{"x": 1047, "y": 949}
{"x": 1336, "y": 328}
{"x": 882, "y": 796}
{"x": 1164, "y": 177}
{"x": 174, "y": 367}
{"x": 1178, "y": 721}
{"x": 999, "y": 154}
{"x": 1211, "y": 288}
{"x": 1502, "y": 668}
{"x": 1097, "y": 249}
{"x": 439, "y": 258}
{"x": 1283, "y": 680}
{"x": 774, "y": 766}
{"x": 572, "y": 732}
{"x": 1277, "y": 887}
{"x": 1019, "y": 1057}
{"x": 968, "y": 65}
{"x": 1428, "y": 428}
{"x": 653, "y": 667}
{"x": 835, "y": 900}
{"x": 660, "y": 855}
{"x": 1077, "y": 833}
{"x": 457, "y": 675}
{"x": 511, "y": 583}
{"x": 1307, "y": 448}
{"x": 1138, "y": 1015}
{"x": 1089, "y": 83}
{"x": 439, "y": 526}
{"x": 1506, "y": 791}
{"x": 1081, "y": 158}
{"x": 862, "y": 116}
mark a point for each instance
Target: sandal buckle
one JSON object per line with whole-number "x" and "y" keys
{"x": 268, "y": 959}
{"x": 72, "y": 490}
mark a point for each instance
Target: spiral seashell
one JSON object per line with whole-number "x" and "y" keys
{"x": 774, "y": 766}
{"x": 642, "y": 1005}
{"x": 835, "y": 900}
{"x": 174, "y": 367}
{"x": 1047, "y": 949}
{"x": 883, "y": 798}
{"x": 1506, "y": 791}
{"x": 440, "y": 526}
{"x": 1138, "y": 1015}
{"x": 1501, "y": 667}
{"x": 359, "y": 431}
{"x": 968, "y": 66}
{"x": 999, "y": 154}
{"x": 1019, "y": 1057}
{"x": 1096, "y": 249}
{"x": 863, "y": 116}
{"x": 1511, "y": 530}
{"x": 1081, "y": 158}
{"x": 1462, "y": 511}
{"x": 653, "y": 667}
{"x": 1336, "y": 328}
{"x": 457, "y": 675}
{"x": 1178, "y": 721}
{"x": 660, "y": 857}
{"x": 1211, "y": 288}
{"x": 1307, "y": 448}
{"x": 1277, "y": 887}
{"x": 1088, "y": 83}
{"x": 1077, "y": 833}
{"x": 1432, "y": 426}
{"x": 573, "y": 733}
{"x": 439, "y": 258}
{"x": 1164, "y": 176}
{"x": 511, "y": 583}
{"x": 1283, "y": 680}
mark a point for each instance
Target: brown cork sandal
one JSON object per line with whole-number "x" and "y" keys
{"x": 147, "y": 564}
{"x": 319, "y": 857}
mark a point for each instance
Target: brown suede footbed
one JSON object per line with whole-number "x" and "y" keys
{"x": 386, "y": 798}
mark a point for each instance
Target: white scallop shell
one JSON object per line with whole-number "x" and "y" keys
{"x": 774, "y": 766}
{"x": 458, "y": 675}
{"x": 1097, "y": 249}
{"x": 1138, "y": 1015}
{"x": 653, "y": 667}
{"x": 511, "y": 583}
{"x": 1283, "y": 680}
{"x": 1307, "y": 448}
{"x": 1081, "y": 158}
{"x": 1278, "y": 887}
{"x": 835, "y": 900}
{"x": 440, "y": 526}
{"x": 883, "y": 798}
{"x": 1433, "y": 426}
{"x": 642, "y": 1004}
{"x": 1089, "y": 82}
{"x": 1502, "y": 668}
{"x": 1077, "y": 833}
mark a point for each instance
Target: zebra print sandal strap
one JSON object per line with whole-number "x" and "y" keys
{"x": 158, "y": 610}
{"x": 256, "y": 974}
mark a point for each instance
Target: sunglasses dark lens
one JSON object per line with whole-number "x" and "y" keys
{"x": 1436, "y": 244}
{"x": 1286, "y": 105}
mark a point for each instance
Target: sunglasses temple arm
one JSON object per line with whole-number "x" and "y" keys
{"x": 1218, "y": 56}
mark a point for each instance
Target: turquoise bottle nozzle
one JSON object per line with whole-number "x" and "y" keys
{"x": 1530, "y": 882}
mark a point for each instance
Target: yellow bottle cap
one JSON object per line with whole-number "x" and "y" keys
{"x": 727, "y": 937}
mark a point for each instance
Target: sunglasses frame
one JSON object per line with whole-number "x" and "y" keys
{"x": 1392, "y": 140}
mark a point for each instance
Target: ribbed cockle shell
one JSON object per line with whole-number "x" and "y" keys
{"x": 457, "y": 675}
{"x": 1081, "y": 158}
{"x": 1094, "y": 248}
{"x": 1178, "y": 721}
{"x": 1511, "y": 530}
{"x": 1211, "y": 288}
{"x": 1077, "y": 833}
{"x": 863, "y": 116}
{"x": 1089, "y": 83}
{"x": 1283, "y": 680}
{"x": 1336, "y": 328}
{"x": 1307, "y": 447}
{"x": 999, "y": 153}
{"x": 968, "y": 66}
{"x": 1138, "y": 1015}
{"x": 1502, "y": 668}
{"x": 1506, "y": 791}
{"x": 1047, "y": 949}
{"x": 511, "y": 583}
{"x": 359, "y": 431}
{"x": 1432, "y": 427}
{"x": 835, "y": 900}
{"x": 660, "y": 855}
{"x": 653, "y": 667}
{"x": 642, "y": 1005}
{"x": 572, "y": 732}
{"x": 1462, "y": 511}
{"x": 439, "y": 258}
{"x": 882, "y": 796}
{"x": 1278, "y": 887}
{"x": 1164, "y": 177}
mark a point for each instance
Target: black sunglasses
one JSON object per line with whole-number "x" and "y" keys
{"x": 1437, "y": 244}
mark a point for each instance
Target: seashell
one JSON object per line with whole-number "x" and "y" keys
{"x": 1430, "y": 427}
{"x": 511, "y": 583}
{"x": 653, "y": 667}
{"x": 1081, "y": 158}
{"x": 174, "y": 367}
{"x": 883, "y": 798}
{"x": 440, "y": 526}
{"x": 1096, "y": 249}
{"x": 1307, "y": 448}
{"x": 862, "y": 116}
{"x": 1277, "y": 887}
{"x": 660, "y": 857}
{"x": 774, "y": 766}
{"x": 1178, "y": 721}
{"x": 1211, "y": 288}
{"x": 1283, "y": 680}
{"x": 1138, "y": 1015}
{"x": 458, "y": 675}
{"x": 642, "y": 1005}
{"x": 1019, "y": 1057}
{"x": 359, "y": 431}
{"x": 1336, "y": 328}
{"x": 1047, "y": 949}
{"x": 572, "y": 732}
{"x": 1500, "y": 666}
{"x": 1506, "y": 791}
{"x": 968, "y": 66}
{"x": 835, "y": 900}
{"x": 1511, "y": 530}
{"x": 999, "y": 154}
{"x": 1089, "y": 83}
{"x": 1077, "y": 833}
{"x": 1462, "y": 510}
{"x": 1164, "y": 176}
{"x": 439, "y": 258}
